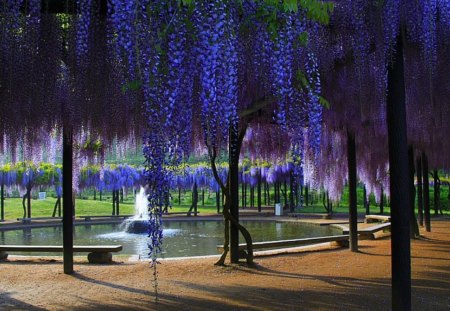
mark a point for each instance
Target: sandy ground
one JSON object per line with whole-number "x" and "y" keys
{"x": 325, "y": 280}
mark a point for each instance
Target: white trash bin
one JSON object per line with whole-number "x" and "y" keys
{"x": 278, "y": 210}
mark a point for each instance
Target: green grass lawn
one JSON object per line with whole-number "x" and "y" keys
{"x": 86, "y": 205}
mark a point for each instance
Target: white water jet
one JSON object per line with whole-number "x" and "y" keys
{"x": 139, "y": 222}
{"x": 141, "y": 206}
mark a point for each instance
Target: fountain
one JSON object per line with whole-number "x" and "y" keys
{"x": 139, "y": 222}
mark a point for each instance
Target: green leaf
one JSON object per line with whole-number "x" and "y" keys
{"x": 325, "y": 103}
{"x": 131, "y": 86}
{"x": 303, "y": 39}
{"x": 302, "y": 79}
{"x": 271, "y": 2}
{"x": 290, "y": 5}
{"x": 317, "y": 10}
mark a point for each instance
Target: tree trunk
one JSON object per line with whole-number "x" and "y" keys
{"x": 113, "y": 202}
{"x": 366, "y": 202}
{"x": 265, "y": 193}
{"x": 306, "y": 196}
{"x": 29, "y": 200}
{"x": 353, "y": 216}
{"x": 24, "y": 199}
{"x": 194, "y": 204}
{"x": 399, "y": 187}
{"x": 231, "y": 206}
{"x": 118, "y": 193}
{"x": 234, "y": 194}
{"x": 95, "y": 195}
{"x": 57, "y": 207}
{"x": 414, "y": 228}
{"x": 419, "y": 190}
{"x": 291, "y": 192}
{"x": 426, "y": 193}
{"x": 203, "y": 196}
{"x": 179, "y": 196}
{"x": 382, "y": 201}
{"x": 218, "y": 201}
{"x": 437, "y": 195}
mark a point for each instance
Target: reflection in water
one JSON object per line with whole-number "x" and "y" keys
{"x": 181, "y": 238}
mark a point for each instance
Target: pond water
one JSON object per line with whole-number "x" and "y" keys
{"x": 181, "y": 238}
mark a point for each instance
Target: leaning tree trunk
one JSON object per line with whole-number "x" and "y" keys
{"x": 57, "y": 207}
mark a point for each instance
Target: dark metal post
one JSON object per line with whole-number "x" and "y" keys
{"x": 426, "y": 193}
{"x": 353, "y": 215}
{"x": 67, "y": 202}
{"x": 399, "y": 186}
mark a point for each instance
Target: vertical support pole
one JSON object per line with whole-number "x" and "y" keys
{"x": 353, "y": 216}
{"x": 234, "y": 191}
{"x": 419, "y": 190}
{"x": 2, "y": 202}
{"x": 426, "y": 193}
{"x": 259, "y": 190}
{"x": 399, "y": 186}
{"x": 243, "y": 190}
{"x": 67, "y": 202}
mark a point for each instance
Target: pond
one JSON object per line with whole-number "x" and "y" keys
{"x": 181, "y": 238}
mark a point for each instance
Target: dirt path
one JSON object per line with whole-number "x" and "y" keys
{"x": 326, "y": 280}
